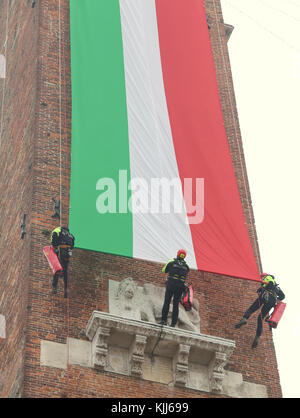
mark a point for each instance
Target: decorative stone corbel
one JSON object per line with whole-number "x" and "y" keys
{"x": 180, "y": 363}
{"x": 106, "y": 333}
{"x": 100, "y": 350}
{"x": 136, "y": 354}
{"x": 217, "y": 373}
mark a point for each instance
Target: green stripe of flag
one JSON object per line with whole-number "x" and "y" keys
{"x": 100, "y": 144}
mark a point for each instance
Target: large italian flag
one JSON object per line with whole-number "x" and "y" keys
{"x": 147, "y": 131}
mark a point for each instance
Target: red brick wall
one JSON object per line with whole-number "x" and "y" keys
{"x": 222, "y": 300}
{"x": 16, "y": 159}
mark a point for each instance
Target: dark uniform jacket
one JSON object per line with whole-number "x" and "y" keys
{"x": 176, "y": 269}
{"x": 271, "y": 293}
{"x": 62, "y": 236}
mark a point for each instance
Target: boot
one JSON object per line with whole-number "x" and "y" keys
{"x": 163, "y": 322}
{"x": 242, "y": 322}
{"x": 255, "y": 342}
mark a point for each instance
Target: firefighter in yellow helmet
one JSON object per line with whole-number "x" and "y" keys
{"x": 63, "y": 243}
{"x": 269, "y": 293}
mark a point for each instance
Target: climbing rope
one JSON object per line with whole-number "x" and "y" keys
{"x": 160, "y": 336}
{"x": 60, "y": 110}
{"x": 4, "y": 80}
{"x": 61, "y": 54}
{"x": 236, "y": 133}
{"x": 266, "y": 350}
{"x": 241, "y": 162}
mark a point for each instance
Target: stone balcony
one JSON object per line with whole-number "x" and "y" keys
{"x": 152, "y": 352}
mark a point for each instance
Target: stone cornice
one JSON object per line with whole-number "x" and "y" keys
{"x": 132, "y": 326}
{"x": 212, "y": 352}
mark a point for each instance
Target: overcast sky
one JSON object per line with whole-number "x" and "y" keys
{"x": 264, "y": 52}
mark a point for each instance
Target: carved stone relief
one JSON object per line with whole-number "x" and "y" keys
{"x": 136, "y": 353}
{"x": 128, "y": 300}
{"x": 217, "y": 372}
{"x": 100, "y": 350}
{"x": 181, "y": 363}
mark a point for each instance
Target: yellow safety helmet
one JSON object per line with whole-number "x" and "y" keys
{"x": 267, "y": 278}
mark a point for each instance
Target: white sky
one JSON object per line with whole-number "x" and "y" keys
{"x": 264, "y": 52}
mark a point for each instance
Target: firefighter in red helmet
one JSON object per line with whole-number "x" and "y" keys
{"x": 177, "y": 270}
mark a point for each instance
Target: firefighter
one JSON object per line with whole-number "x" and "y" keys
{"x": 63, "y": 242}
{"x": 269, "y": 294}
{"x": 177, "y": 270}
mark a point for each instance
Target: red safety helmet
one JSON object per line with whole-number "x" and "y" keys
{"x": 181, "y": 253}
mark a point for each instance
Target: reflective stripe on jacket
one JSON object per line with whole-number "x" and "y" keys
{"x": 177, "y": 269}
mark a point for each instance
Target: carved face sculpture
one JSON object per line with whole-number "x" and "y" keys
{"x": 127, "y": 288}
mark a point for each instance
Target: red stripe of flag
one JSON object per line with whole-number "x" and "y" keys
{"x": 221, "y": 241}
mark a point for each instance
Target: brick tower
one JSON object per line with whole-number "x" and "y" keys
{"x": 76, "y": 347}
